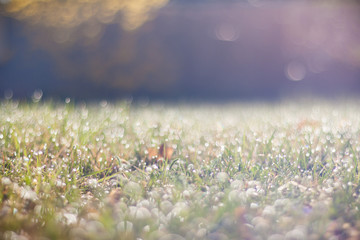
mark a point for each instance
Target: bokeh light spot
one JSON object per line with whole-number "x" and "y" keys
{"x": 8, "y": 94}
{"x": 37, "y": 95}
{"x": 226, "y": 32}
{"x": 295, "y": 71}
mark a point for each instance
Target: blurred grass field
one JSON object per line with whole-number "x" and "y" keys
{"x": 285, "y": 170}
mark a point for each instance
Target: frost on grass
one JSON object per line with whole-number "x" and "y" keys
{"x": 235, "y": 171}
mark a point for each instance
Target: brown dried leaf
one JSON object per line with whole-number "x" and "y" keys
{"x": 152, "y": 154}
{"x": 166, "y": 152}
{"x": 159, "y": 154}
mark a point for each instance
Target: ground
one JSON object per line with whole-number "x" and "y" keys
{"x": 284, "y": 170}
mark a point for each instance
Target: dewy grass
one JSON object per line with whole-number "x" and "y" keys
{"x": 239, "y": 171}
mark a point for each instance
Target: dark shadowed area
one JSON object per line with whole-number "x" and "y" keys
{"x": 107, "y": 49}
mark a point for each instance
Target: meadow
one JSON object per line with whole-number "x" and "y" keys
{"x": 282, "y": 170}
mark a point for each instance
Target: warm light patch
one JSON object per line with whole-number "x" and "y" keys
{"x": 70, "y": 14}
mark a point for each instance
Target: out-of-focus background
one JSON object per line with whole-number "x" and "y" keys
{"x": 177, "y": 49}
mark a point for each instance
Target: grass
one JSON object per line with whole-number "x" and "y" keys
{"x": 239, "y": 171}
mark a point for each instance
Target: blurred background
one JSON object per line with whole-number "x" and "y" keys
{"x": 178, "y": 49}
